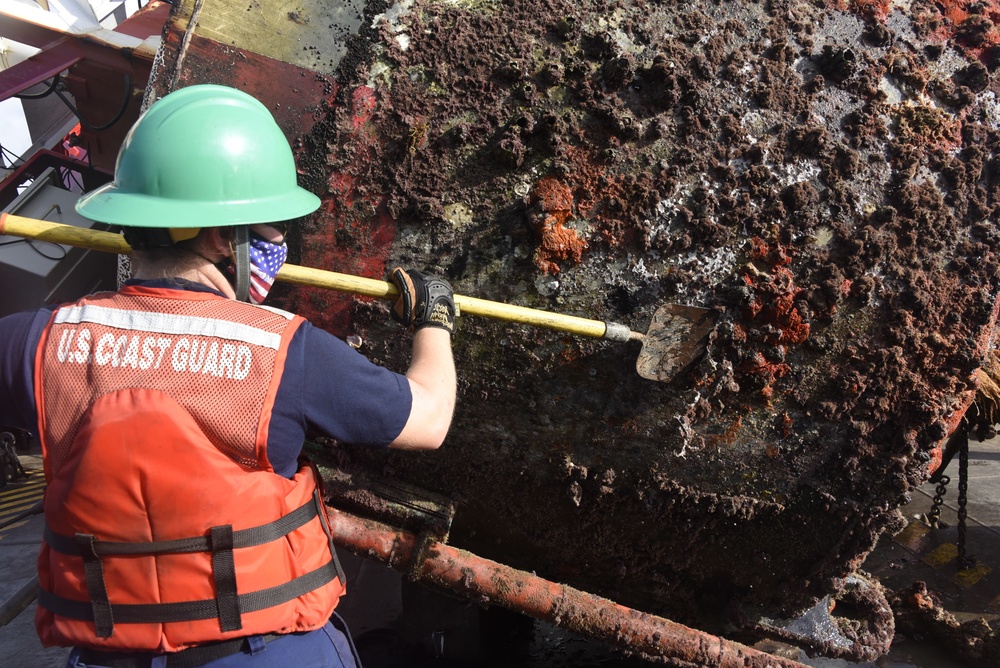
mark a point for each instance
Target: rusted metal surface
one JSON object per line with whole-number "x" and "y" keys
{"x": 824, "y": 176}
{"x": 294, "y": 96}
{"x": 495, "y": 584}
{"x": 391, "y": 502}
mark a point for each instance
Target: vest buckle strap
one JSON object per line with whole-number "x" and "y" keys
{"x": 163, "y": 613}
{"x": 93, "y": 570}
{"x": 224, "y": 573}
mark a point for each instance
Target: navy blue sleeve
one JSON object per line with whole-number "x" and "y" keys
{"x": 330, "y": 389}
{"x": 19, "y": 337}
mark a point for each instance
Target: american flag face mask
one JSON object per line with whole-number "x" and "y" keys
{"x": 266, "y": 259}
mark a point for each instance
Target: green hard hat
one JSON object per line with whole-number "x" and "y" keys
{"x": 202, "y": 156}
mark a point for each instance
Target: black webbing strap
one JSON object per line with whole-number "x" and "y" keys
{"x": 145, "y": 613}
{"x": 93, "y": 571}
{"x": 265, "y": 533}
{"x": 224, "y": 572}
{"x": 228, "y": 605}
{"x": 318, "y": 500}
{"x": 241, "y": 262}
{"x": 147, "y": 238}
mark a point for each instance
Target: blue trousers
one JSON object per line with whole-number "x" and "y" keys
{"x": 327, "y": 647}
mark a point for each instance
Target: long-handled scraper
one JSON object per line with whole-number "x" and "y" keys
{"x": 675, "y": 339}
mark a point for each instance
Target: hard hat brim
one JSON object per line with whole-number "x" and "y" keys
{"x": 108, "y": 205}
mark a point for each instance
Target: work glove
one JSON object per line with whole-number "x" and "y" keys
{"x": 424, "y": 301}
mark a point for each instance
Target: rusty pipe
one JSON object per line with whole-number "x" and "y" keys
{"x": 489, "y": 582}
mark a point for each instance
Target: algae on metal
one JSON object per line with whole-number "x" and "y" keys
{"x": 825, "y": 177}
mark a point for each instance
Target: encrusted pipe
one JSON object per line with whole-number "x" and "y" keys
{"x": 489, "y": 582}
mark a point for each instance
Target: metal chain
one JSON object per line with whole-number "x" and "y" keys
{"x": 934, "y": 514}
{"x": 964, "y": 561}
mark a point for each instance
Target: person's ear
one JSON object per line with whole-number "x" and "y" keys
{"x": 218, "y": 241}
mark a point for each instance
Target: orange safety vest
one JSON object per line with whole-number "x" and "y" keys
{"x": 166, "y": 526}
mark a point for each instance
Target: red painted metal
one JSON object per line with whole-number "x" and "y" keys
{"x": 354, "y": 229}
{"x": 145, "y": 23}
{"x": 94, "y": 72}
{"x": 489, "y": 582}
{"x": 28, "y": 33}
{"x": 42, "y": 66}
{"x": 295, "y": 97}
